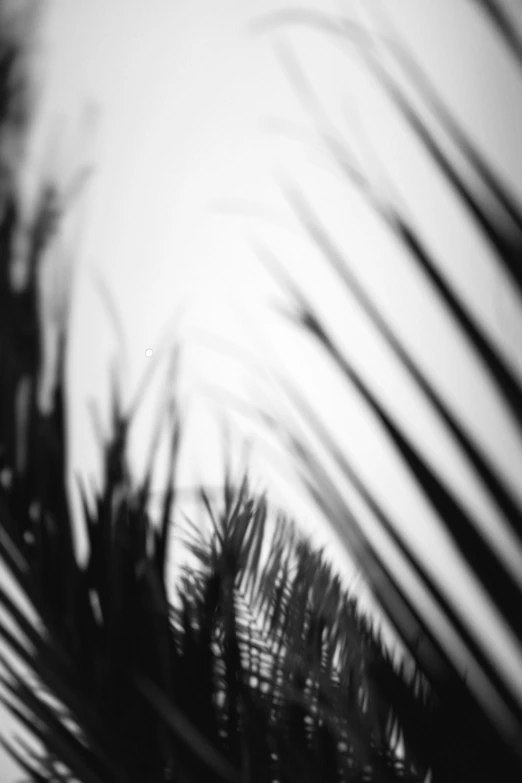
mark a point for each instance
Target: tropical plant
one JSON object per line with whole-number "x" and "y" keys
{"x": 471, "y": 738}
{"x": 263, "y": 670}
{"x": 263, "y": 667}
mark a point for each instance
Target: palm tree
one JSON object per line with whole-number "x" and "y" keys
{"x": 263, "y": 668}
{"x": 470, "y": 739}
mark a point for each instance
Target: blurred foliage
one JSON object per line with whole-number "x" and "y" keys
{"x": 472, "y": 739}
{"x": 263, "y": 669}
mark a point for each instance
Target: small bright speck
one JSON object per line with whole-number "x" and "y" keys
{"x": 149, "y": 352}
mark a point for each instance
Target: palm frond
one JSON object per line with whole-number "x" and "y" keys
{"x": 460, "y": 729}
{"x": 263, "y": 667}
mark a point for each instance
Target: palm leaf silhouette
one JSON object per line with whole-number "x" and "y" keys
{"x": 467, "y": 742}
{"x": 263, "y": 668}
